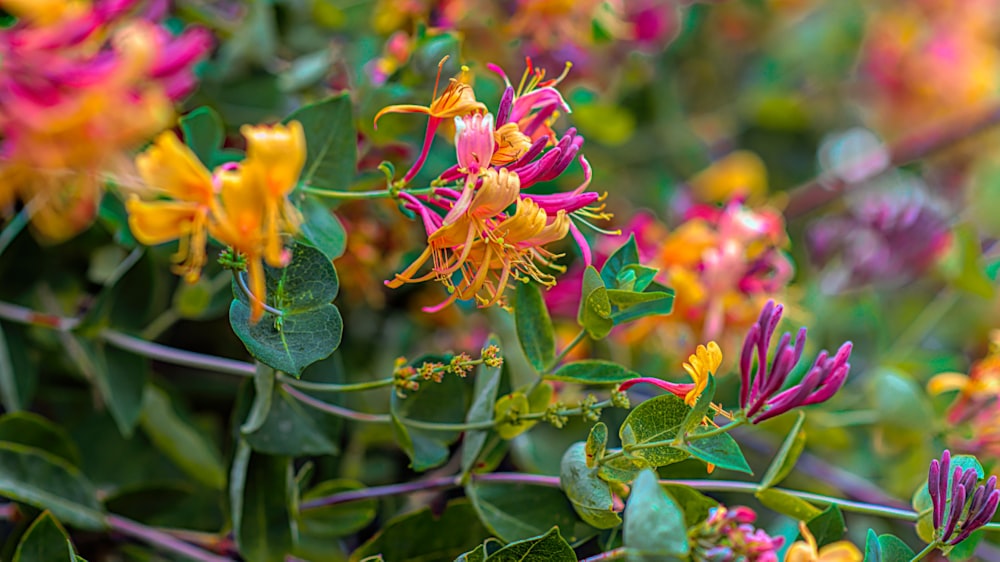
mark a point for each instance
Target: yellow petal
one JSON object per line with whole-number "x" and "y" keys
{"x": 800, "y": 552}
{"x": 840, "y": 551}
{"x": 280, "y": 151}
{"x": 170, "y": 166}
{"x": 156, "y": 222}
{"x": 944, "y": 382}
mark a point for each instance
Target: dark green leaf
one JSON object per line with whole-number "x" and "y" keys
{"x": 418, "y": 535}
{"x": 259, "y": 492}
{"x": 290, "y": 429}
{"x": 595, "y": 308}
{"x": 204, "y": 134}
{"x": 787, "y": 504}
{"x": 654, "y": 523}
{"x": 310, "y": 327}
{"x": 335, "y": 520}
{"x": 18, "y": 374}
{"x": 121, "y": 378}
{"x": 590, "y": 495}
{"x": 721, "y": 450}
{"x": 519, "y": 511}
{"x": 655, "y": 420}
{"x": 627, "y": 254}
{"x": 331, "y": 142}
{"x": 828, "y": 527}
{"x": 593, "y": 371}
{"x": 263, "y": 384}
{"x": 700, "y": 409}
{"x": 484, "y": 396}
{"x": 623, "y": 300}
{"x": 597, "y": 443}
{"x": 694, "y": 504}
{"x": 47, "y": 482}
{"x": 550, "y": 547}
{"x": 183, "y": 443}
{"x": 442, "y": 402}
{"x": 534, "y": 327}
{"x": 35, "y": 431}
{"x": 662, "y": 305}
{"x": 784, "y": 459}
{"x": 477, "y": 554}
{"x": 321, "y": 228}
{"x": 619, "y": 469}
{"x": 45, "y": 541}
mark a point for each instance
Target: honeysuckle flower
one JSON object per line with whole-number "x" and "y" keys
{"x": 703, "y": 362}
{"x": 81, "y": 84}
{"x": 808, "y": 551}
{"x": 761, "y": 395}
{"x": 171, "y": 169}
{"x": 458, "y": 99}
{"x": 475, "y": 142}
{"x": 959, "y": 508}
{"x": 977, "y": 390}
{"x": 728, "y": 535}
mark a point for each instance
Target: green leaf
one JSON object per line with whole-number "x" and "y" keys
{"x": 35, "y": 431}
{"x": 550, "y": 547}
{"x": 886, "y": 548}
{"x": 204, "y": 133}
{"x": 18, "y": 374}
{"x": 623, "y": 300}
{"x": 784, "y": 459}
{"x": 663, "y": 304}
{"x": 827, "y": 527}
{"x": 477, "y": 554}
{"x": 290, "y": 429}
{"x": 899, "y": 400}
{"x": 442, "y": 402}
{"x": 700, "y": 409}
{"x": 331, "y": 521}
{"x": 721, "y": 450}
{"x": 484, "y": 395}
{"x": 595, "y": 308}
{"x": 418, "y": 535}
{"x": 183, "y": 443}
{"x": 597, "y": 443}
{"x": 45, "y": 541}
{"x": 593, "y": 371}
{"x": 636, "y": 277}
{"x": 45, "y": 481}
{"x": 694, "y": 504}
{"x": 263, "y": 384}
{"x": 627, "y": 254}
{"x": 514, "y": 512}
{"x": 321, "y": 228}
{"x": 619, "y": 469}
{"x": 516, "y": 404}
{"x": 654, "y": 523}
{"x": 259, "y": 492}
{"x": 534, "y": 327}
{"x": 121, "y": 378}
{"x": 331, "y": 142}
{"x": 787, "y": 504}
{"x": 961, "y": 264}
{"x": 590, "y": 495}
{"x": 309, "y": 328}
{"x": 655, "y": 420}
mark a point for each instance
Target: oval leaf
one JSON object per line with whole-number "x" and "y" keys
{"x": 593, "y": 371}
{"x": 654, "y": 523}
{"x": 784, "y": 460}
{"x": 655, "y": 420}
{"x": 590, "y": 496}
{"x": 550, "y": 547}
{"x": 45, "y": 540}
{"x": 534, "y": 326}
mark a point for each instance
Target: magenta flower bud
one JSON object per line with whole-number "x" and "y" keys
{"x": 761, "y": 395}
{"x": 956, "y": 517}
{"x": 506, "y": 104}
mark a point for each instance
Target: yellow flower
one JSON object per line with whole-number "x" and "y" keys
{"x": 705, "y": 361}
{"x": 171, "y": 168}
{"x": 807, "y": 551}
{"x": 739, "y": 173}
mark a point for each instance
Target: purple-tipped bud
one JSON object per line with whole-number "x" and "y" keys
{"x": 979, "y": 518}
{"x": 933, "y": 487}
{"x": 957, "y": 508}
{"x": 506, "y": 103}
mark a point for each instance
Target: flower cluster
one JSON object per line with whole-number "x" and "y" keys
{"x": 485, "y": 230}
{"x": 728, "y": 535}
{"x": 80, "y": 84}
{"x": 958, "y": 509}
{"x": 976, "y": 402}
{"x": 926, "y": 60}
{"x": 761, "y": 394}
{"x": 243, "y": 205}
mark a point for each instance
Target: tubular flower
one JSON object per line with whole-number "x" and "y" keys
{"x": 243, "y": 205}
{"x": 958, "y": 509}
{"x": 457, "y": 100}
{"x": 81, "y": 84}
{"x": 170, "y": 168}
{"x": 761, "y": 397}
{"x": 808, "y": 551}
{"x": 705, "y": 361}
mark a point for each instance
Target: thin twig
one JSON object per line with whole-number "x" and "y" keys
{"x": 162, "y": 540}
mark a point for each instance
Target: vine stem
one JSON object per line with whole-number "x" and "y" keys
{"x": 828, "y": 187}
{"x": 161, "y": 539}
{"x": 363, "y": 195}
{"x": 562, "y": 354}
{"x": 927, "y": 550}
{"x": 553, "y": 482}
{"x": 613, "y": 554}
